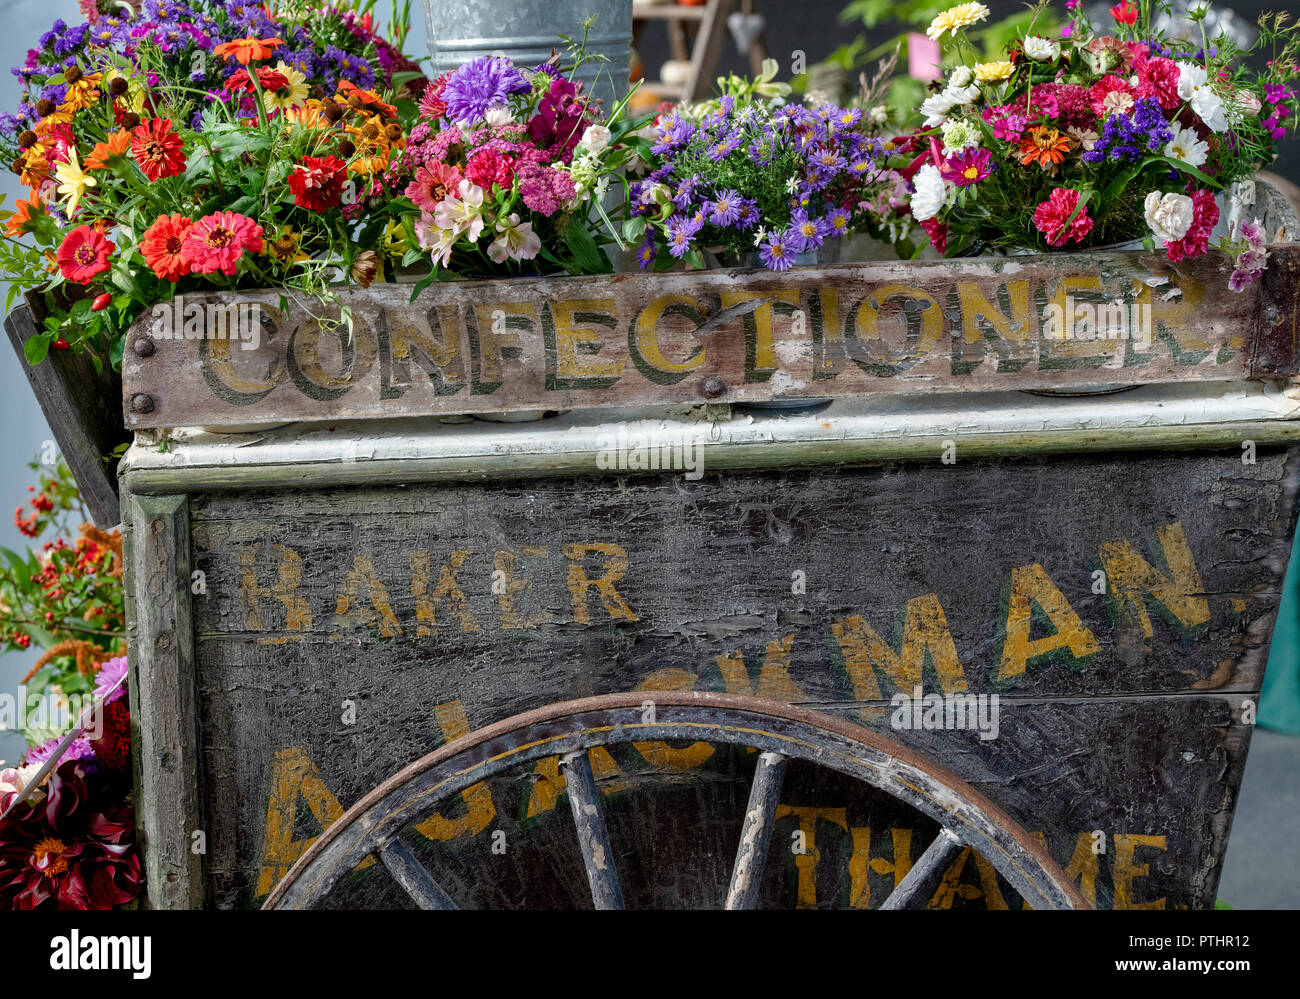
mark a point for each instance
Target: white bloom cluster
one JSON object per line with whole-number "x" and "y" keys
{"x": 1194, "y": 88}
{"x": 960, "y": 91}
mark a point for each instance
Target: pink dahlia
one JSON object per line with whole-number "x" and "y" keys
{"x": 1051, "y": 218}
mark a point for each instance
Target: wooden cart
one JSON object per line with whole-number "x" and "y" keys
{"x": 940, "y": 642}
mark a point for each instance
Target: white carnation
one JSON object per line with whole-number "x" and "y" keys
{"x": 1041, "y": 49}
{"x": 931, "y": 193}
{"x": 1168, "y": 215}
{"x": 596, "y": 138}
{"x": 936, "y": 108}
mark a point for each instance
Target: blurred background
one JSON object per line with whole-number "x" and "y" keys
{"x": 823, "y": 44}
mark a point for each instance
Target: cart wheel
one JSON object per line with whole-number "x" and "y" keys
{"x": 780, "y": 732}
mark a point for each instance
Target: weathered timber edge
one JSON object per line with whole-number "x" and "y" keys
{"x": 80, "y": 405}
{"x": 164, "y": 700}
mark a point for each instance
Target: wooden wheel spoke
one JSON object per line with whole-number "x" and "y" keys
{"x": 756, "y": 833}
{"x": 926, "y": 872}
{"x": 414, "y": 879}
{"x": 593, "y": 838}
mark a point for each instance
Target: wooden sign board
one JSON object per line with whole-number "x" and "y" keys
{"x": 1119, "y": 607}
{"x": 1055, "y": 321}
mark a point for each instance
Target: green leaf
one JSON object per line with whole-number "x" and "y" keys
{"x": 37, "y": 347}
{"x": 585, "y": 251}
{"x": 423, "y": 283}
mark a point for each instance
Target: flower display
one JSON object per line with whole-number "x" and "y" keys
{"x": 745, "y": 175}
{"x": 507, "y": 171}
{"x": 1104, "y": 135}
{"x": 172, "y": 145}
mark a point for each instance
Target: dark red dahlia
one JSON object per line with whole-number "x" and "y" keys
{"x": 64, "y": 851}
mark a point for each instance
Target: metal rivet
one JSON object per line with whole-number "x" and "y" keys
{"x": 714, "y": 387}
{"x": 141, "y": 403}
{"x": 144, "y": 347}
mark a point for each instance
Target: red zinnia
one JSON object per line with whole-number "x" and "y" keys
{"x": 162, "y": 246}
{"x": 1050, "y": 216}
{"x": 488, "y": 167}
{"x": 83, "y": 254}
{"x": 1124, "y": 13}
{"x": 64, "y": 852}
{"x": 317, "y": 182}
{"x": 216, "y": 242}
{"x": 267, "y": 78}
{"x": 159, "y": 151}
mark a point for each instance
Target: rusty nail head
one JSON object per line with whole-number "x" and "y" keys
{"x": 141, "y": 403}
{"x": 144, "y": 347}
{"x": 714, "y": 387}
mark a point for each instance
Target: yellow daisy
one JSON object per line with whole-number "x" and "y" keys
{"x": 73, "y": 181}
{"x": 293, "y": 94}
{"x": 954, "y": 19}
{"x": 993, "y": 72}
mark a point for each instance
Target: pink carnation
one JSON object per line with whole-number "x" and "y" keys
{"x": 1205, "y": 216}
{"x": 488, "y": 167}
{"x": 1158, "y": 78}
{"x": 1111, "y": 95}
{"x": 1050, "y": 216}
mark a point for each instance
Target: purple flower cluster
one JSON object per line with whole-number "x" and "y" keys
{"x": 1130, "y": 136}
{"x": 802, "y": 170}
{"x": 1274, "y": 95}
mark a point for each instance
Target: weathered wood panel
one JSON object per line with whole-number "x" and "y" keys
{"x": 723, "y": 336}
{"x": 342, "y": 634}
{"x": 80, "y": 406}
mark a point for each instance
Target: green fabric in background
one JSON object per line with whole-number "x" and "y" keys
{"x": 1279, "y": 702}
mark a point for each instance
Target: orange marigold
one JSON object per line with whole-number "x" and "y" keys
{"x": 1044, "y": 146}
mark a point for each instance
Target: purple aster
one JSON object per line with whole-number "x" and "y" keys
{"x": 837, "y": 222}
{"x": 681, "y": 234}
{"x": 672, "y": 134}
{"x": 805, "y": 233}
{"x": 725, "y": 209}
{"x": 724, "y": 147}
{"x": 685, "y": 192}
{"x": 479, "y": 85}
{"x": 776, "y": 254}
{"x": 645, "y": 256}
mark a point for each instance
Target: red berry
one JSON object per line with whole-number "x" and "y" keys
{"x": 61, "y": 344}
{"x": 101, "y": 302}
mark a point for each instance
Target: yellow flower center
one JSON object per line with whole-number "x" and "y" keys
{"x": 46, "y": 849}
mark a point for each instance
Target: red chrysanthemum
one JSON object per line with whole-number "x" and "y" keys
{"x": 1205, "y": 216}
{"x": 1158, "y": 78}
{"x": 83, "y": 254}
{"x": 113, "y": 747}
{"x": 159, "y": 151}
{"x": 162, "y": 245}
{"x": 317, "y": 182}
{"x": 1051, "y": 218}
{"x": 488, "y": 167}
{"x": 64, "y": 851}
{"x": 216, "y": 242}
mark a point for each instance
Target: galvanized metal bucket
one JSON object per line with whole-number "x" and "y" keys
{"x": 526, "y": 30}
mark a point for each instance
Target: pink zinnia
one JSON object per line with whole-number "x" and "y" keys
{"x": 938, "y": 233}
{"x": 433, "y": 182}
{"x": 968, "y": 167}
{"x": 1050, "y": 216}
{"x": 1111, "y": 95}
{"x": 1205, "y": 216}
{"x": 216, "y": 242}
{"x": 1158, "y": 78}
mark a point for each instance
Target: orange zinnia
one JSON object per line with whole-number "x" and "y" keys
{"x": 117, "y": 145}
{"x": 1045, "y": 146}
{"x": 21, "y": 216}
{"x": 245, "y": 50}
